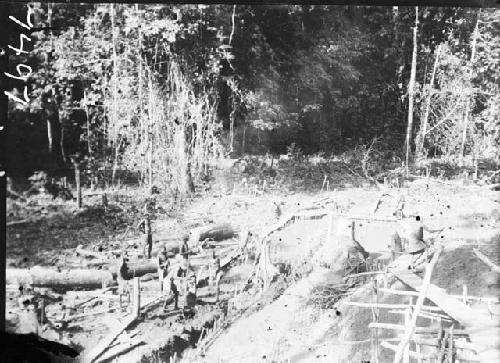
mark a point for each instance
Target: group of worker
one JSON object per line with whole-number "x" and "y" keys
{"x": 176, "y": 278}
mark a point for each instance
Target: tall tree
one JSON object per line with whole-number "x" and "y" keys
{"x": 411, "y": 92}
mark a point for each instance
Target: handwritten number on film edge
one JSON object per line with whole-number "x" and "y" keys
{"x": 21, "y": 75}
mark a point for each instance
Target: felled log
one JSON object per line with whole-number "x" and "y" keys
{"x": 217, "y": 232}
{"x": 136, "y": 268}
{"x": 69, "y": 279}
{"x": 86, "y": 253}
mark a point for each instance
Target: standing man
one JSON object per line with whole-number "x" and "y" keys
{"x": 413, "y": 238}
{"x": 164, "y": 261}
{"x": 184, "y": 250}
{"x": 145, "y": 227}
{"x": 122, "y": 279}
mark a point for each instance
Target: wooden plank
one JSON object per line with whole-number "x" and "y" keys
{"x": 411, "y": 323}
{"x": 484, "y": 331}
{"x": 389, "y": 306}
{"x": 462, "y": 313}
{"x": 120, "y": 349}
{"x": 418, "y": 329}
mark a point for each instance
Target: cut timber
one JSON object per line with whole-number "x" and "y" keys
{"x": 484, "y": 332}
{"x": 460, "y": 312}
{"x": 137, "y": 268}
{"x": 418, "y": 329}
{"x": 216, "y": 232}
{"x": 120, "y": 349}
{"x": 486, "y": 260}
{"x": 389, "y": 306}
{"x": 69, "y": 279}
{"x": 430, "y": 358}
{"x": 411, "y": 323}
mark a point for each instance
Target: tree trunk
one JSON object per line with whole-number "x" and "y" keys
{"x": 475, "y": 34}
{"x": 139, "y": 75}
{"x": 411, "y": 86}
{"x": 78, "y": 185}
{"x": 217, "y": 232}
{"x": 114, "y": 90}
{"x": 423, "y": 130}
{"x": 50, "y": 138}
{"x": 89, "y": 141}
{"x": 148, "y": 131}
{"x": 69, "y": 279}
{"x": 61, "y": 141}
{"x": 243, "y": 139}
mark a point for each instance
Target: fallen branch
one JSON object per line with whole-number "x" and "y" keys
{"x": 120, "y": 349}
{"x": 21, "y": 221}
{"x": 362, "y": 274}
{"x": 486, "y": 260}
{"x": 84, "y": 315}
{"x": 379, "y": 200}
{"x": 106, "y": 342}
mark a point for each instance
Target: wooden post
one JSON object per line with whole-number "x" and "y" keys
{"x": 440, "y": 339}
{"x": 464, "y": 294}
{"x": 406, "y": 353}
{"x": 409, "y": 330}
{"x": 450, "y": 346}
{"x": 442, "y": 349}
{"x": 375, "y": 315}
{"x": 136, "y": 303}
{"x": 78, "y": 184}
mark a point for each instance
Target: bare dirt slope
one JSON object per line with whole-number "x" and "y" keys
{"x": 292, "y": 328}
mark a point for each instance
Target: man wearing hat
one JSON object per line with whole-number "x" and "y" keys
{"x": 413, "y": 239}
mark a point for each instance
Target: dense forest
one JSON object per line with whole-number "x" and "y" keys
{"x": 158, "y": 92}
